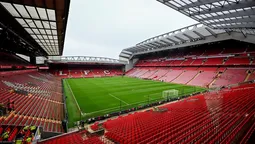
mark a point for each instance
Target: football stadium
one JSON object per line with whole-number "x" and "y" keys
{"x": 195, "y": 84}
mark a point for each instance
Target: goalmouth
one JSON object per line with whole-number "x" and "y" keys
{"x": 170, "y": 93}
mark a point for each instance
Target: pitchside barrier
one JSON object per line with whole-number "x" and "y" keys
{"x": 150, "y": 100}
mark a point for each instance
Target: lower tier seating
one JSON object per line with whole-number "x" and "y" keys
{"x": 203, "y": 79}
{"x": 20, "y": 134}
{"x": 203, "y": 76}
{"x": 230, "y": 76}
{"x": 185, "y": 77}
{"x": 74, "y": 138}
{"x": 37, "y": 100}
{"x": 216, "y": 117}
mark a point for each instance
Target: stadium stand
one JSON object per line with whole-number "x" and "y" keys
{"x": 11, "y": 60}
{"x": 20, "y": 134}
{"x": 88, "y": 73}
{"x": 37, "y": 98}
{"x": 80, "y": 137}
{"x": 190, "y": 120}
{"x": 230, "y": 76}
{"x": 207, "y": 75}
{"x": 214, "y": 61}
{"x": 72, "y": 70}
{"x": 217, "y": 53}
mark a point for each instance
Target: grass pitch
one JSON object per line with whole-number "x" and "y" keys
{"x": 99, "y": 96}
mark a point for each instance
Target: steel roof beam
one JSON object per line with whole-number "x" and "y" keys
{"x": 35, "y": 19}
{"x": 124, "y": 56}
{"x": 199, "y": 34}
{"x": 158, "y": 43}
{"x": 133, "y": 48}
{"x": 232, "y": 14}
{"x": 246, "y": 26}
{"x": 144, "y": 46}
{"x": 181, "y": 39}
{"x": 248, "y": 19}
{"x": 153, "y": 44}
{"x": 211, "y": 32}
{"x": 141, "y": 48}
{"x": 232, "y": 6}
{"x": 197, "y": 3}
{"x": 165, "y": 42}
{"x": 188, "y": 36}
{"x": 176, "y": 42}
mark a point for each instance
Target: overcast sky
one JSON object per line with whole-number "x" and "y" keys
{"x": 105, "y": 27}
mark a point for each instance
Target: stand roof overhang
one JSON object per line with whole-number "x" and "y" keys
{"x": 41, "y": 24}
{"x": 218, "y": 20}
{"x": 184, "y": 37}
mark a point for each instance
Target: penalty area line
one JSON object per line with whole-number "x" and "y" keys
{"x": 118, "y": 98}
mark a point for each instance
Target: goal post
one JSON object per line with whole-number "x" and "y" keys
{"x": 97, "y": 76}
{"x": 173, "y": 93}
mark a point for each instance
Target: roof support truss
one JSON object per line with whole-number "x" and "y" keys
{"x": 218, "y": 14}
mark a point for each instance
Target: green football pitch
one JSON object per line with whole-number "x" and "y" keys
{"x": 90, "y": 97}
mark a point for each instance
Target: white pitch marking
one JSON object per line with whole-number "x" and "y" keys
{"x": 73, "y": 96}
{"x": 118, "y": 98}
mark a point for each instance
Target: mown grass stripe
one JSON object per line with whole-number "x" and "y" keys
{"x": 93, "y": 95}
{"x": 118, "y": 99}
{"x": 73, "y": 96}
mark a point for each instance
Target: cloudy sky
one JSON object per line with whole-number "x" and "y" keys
{"x": 105, "y": 27}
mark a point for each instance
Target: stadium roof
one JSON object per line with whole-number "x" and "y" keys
{"x": 218, "y": 14}
{"x": 219, "y": 20}
{"x": 40, "y": 24}
{"x": 187, "y": 36}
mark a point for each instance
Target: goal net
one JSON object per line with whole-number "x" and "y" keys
{"x": 97, "y": 76}
{"x": 170, "y": 93}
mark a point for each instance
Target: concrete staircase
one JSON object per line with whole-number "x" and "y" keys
{"x": 194, "y": 77}
{"x": 178, "y": 76}
{"x": 248, "y": 75}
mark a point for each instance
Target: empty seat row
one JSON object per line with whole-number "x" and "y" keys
{"x": 37, "y": 99}
{"x": 215, "y": 117}
{"x": 203, "y": 76}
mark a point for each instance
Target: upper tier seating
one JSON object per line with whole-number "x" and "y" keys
{"x": 39, "y": 103}
{"x": 210, "y": 61}
{"x": 234, "y": 50}
{"x": 13, "y": 60}
{"x": 238, "y": 61}
{"x": 216, "y": 117}
{"x": 187, "y": 62}
{"x": 214, "y": 61}
{"x": 197, "y": 62}
{"x": 250, "y": 50}
{"x": 212, "y": 51}
{"x": 176, "y": 63}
